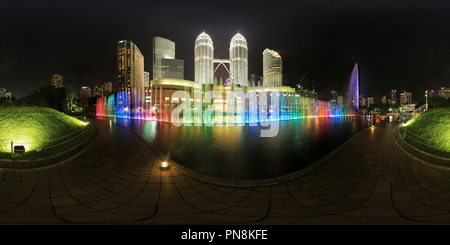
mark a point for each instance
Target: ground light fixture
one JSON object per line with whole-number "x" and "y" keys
{"x": 164, "y": 166}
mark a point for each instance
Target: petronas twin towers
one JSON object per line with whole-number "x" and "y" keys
{"x": 204, "y": 59}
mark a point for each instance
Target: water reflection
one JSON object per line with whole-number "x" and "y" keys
{"x": 238, "y": 152}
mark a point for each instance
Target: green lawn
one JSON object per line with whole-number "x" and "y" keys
{"x": 430, "y": 131}
{"x": 42, "y": 131}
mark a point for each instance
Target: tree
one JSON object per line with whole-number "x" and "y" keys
{"x": 434, "y": 102}
{"x": 70, "y": 96}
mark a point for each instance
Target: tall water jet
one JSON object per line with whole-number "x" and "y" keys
{"x": 354, "y": 87}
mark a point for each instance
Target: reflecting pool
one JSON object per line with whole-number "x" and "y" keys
{"x": 238, "y": 152}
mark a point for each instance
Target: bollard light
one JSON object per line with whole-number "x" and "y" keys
{"x": 164, "y": 166}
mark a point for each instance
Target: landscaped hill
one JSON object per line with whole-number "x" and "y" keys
{"x": 430, "y": 131}
{"x": 36, "y": 127}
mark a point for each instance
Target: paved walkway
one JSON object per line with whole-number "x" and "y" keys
{"x": 370, "y": 179}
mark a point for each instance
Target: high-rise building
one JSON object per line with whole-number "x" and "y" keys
{"x": 370, "y": 101}
{"x": 204, "y": 59}
{"x": 163, "y": 48}
{"x": 107, "y": 88}
{"x": 146, "y": 79}
{"x": 57, "y": 81}
{"x": 85, "y": 92}
{"x": 272, "y": 68}
{"x": 164, "y": 63}
{"x": 405, "y": 98}
{"x": 340, "y": 100}
{"x": 393, "y": 96}
{"x": 384, "y": 100}
{"x": 334, "y": 95}
{"x": 130, "y": 64}
{"x": 98, "y": 90}
{"x": 239, "y": 59}
{"x": 172, "y": 68}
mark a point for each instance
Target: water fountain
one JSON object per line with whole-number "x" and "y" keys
{"x": 250, "y": 104}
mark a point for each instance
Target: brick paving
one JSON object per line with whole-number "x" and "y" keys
{"x": 373, "y": 178}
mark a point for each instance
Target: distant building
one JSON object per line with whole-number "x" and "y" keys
{"x": 370, "y": 101}
{"x": 363, "y": 101}
{"x": 146, "y": 79}
{"x": 405, "y": 98}
{"x": 272, "y": 68}
{"x": 432, "y": 93}
{"x": 57, "y": 81}
{"x": 172, "y": 69}
{"x": 334, "y": 95}
{"x": 444, "y": 92}
{"x": 107, "y": 88}
{"x": 393, "y": 96}
{"x": 340, "y": 100}
{"x": 98, "y": 91}
{"x": 85, "y": 92}
{"x": 384, "y": 100}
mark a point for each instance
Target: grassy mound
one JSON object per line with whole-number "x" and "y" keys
{"x": 430, "y": 131}
{"x": 42, "y": 131}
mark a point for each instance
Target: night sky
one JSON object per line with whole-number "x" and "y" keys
{"x": 402, "y": 45}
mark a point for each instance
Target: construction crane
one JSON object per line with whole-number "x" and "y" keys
{"x": 299, "y": 83}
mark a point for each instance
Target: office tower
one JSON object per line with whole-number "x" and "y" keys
{"x": 334, "y": 95}
{"x": 340, "y": 100}
{"x": 239, "y": 60}
{"x": 162, "y": 49}
{"x": 98, "y": 90}
{"x": 393, "y": 96}
{"x": 405, "y": 98}
{"x": 85, "y": 92}
{"x": 107, "y": 88}
{"x": 272, "y": 68}
{"x": 146, "y": 79}
{"x": 383, "y": 100}
{"x": 204, "y": 59}
{"x": 370, "y": 101}
{"x": 172, "y": 68}
{"x": 164, "y": 63}
{"x": 363, "y": 101}
{"x": 130, "y": 64}
{"x": 57, "y": 81}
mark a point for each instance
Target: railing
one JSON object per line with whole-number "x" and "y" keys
{"x": 424, "y": 141}
{"x": 416, "y": 112}
{"x": 50, "y": 147}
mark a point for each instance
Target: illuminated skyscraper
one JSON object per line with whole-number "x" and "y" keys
{"x": 239, "y": 59}
{"x": 272, "y": 68}
{"x": 57, "y": 81}
{"x": 164, "y": 63}
{"x": 405, "y": 98}
{"x": 393, "y": 96}
{"x": 204, "y": 58}
{"x": 130, "y": 64}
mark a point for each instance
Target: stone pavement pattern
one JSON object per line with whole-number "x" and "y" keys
{"x": 117, "y": 180}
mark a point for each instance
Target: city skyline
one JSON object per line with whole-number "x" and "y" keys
{"x": 398, "y": 45}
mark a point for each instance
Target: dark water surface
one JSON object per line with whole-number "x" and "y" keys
{"x": 238, "y": 152}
